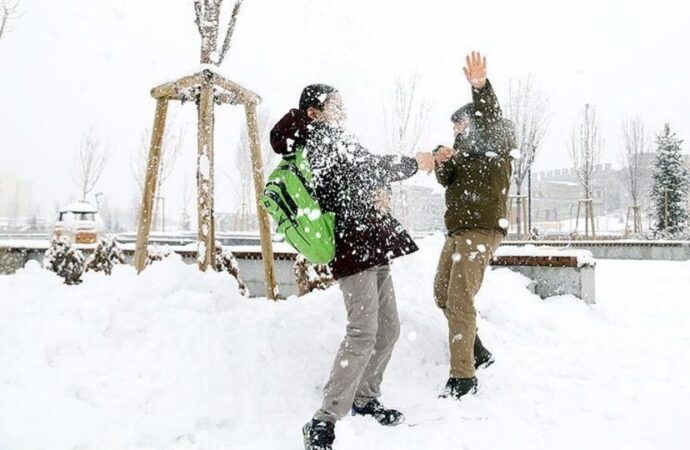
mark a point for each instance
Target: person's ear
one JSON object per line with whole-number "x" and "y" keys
{"x": 313, "y": 113}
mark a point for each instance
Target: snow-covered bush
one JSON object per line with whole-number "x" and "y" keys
{"x": 65, "y": 260}
{"x": 311, "y": 277}
{"x": 225, "y": 261}
{"x": 106, "y": 255}
{"x": 156, "y": 253}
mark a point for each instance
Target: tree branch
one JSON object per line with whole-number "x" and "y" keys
{"x": 230, "y": 31}
{"x": 8, "y": 12}
{"x": 198, "y": 14}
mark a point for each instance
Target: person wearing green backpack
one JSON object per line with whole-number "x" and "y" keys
{"x": 352, "y": 184}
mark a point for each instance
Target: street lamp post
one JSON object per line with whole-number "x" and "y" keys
{"x": 97, "y": 196}
{"x": 529, "y": 201}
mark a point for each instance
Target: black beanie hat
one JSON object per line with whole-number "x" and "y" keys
{"x": 315, "y": 96}
{"x": 465, "y": 111}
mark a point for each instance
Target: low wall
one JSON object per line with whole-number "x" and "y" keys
{"x": 552, "y": 271}
{"x": 552, "y": 281}
{"x": 622, "y": 249}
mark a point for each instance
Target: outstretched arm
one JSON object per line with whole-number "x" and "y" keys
{"x": 392, "y": 168}
{"x": 487, "y": 109}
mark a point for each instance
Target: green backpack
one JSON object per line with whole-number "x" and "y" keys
{"x": 289, "y": 199}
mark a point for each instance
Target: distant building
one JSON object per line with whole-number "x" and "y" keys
{"x": 15, "y": 200}
{"x": 555, "y": 193}
{"x": 418, "y": 208}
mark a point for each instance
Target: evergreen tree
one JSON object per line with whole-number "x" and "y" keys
{"x": 670, "y": 183}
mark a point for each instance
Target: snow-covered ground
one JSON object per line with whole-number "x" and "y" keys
{"x": 176, "y": 359}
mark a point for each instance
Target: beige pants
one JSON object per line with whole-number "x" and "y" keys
{"x": 464, "y": 259}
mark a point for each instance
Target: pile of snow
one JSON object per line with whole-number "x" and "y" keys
{"x": 177, "y": 359}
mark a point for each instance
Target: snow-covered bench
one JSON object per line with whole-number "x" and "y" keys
{"x": 552, "y": 271}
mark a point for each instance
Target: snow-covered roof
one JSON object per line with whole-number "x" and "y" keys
{"x": 80, "y": 206}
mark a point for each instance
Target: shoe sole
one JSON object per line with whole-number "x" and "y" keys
{"x": 472, "y": 392}
{"x": 485, "y": 364}
{"x": 392, "y": 424}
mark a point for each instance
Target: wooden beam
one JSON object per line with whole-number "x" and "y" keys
{"x": 152, "y": 168}
{"x": 535, "y": 261}
{"x": 245, "y": 95}
{"x": 173, "y": 88}
{"x": 205, "y": 207}
{"x": 264, "y": 223}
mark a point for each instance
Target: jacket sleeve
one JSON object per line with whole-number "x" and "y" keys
{"x": 487, "y": 110}
{"x": 385, "y": 169}
{"x": 446, "y": 172}
{"x": 396, "y": 168}
{"x": 497, "y": 132}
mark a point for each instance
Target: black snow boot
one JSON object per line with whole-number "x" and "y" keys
{"x": 387, "y": 417}
{"x": 318, "y": 435}
{"x": 482, "y": 357}
{"x": 459, "y": 387}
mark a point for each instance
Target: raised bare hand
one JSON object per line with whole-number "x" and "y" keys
{"x": 475, "y": 70}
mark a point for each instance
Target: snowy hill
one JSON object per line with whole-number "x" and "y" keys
{"x": 175, "y": 359}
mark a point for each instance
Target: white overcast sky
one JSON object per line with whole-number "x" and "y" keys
{"x": 72, "y": 64}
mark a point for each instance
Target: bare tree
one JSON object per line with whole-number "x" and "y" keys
{"x": 8, "y": 12}
{"x": 187, "y": 190}
{"x": 635, "y": 145}
{"x": 173, "y": 140}
{"x": 405, "y": 117}
{"x": 242, "y": 181}
{"x": 90, "y": 159}
{"x": 208, "y": 23}
{"x": 585, "y": 148}
{"x": 585, "y": 152}
{"x": 528, "y": 109}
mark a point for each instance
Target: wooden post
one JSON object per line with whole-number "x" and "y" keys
{"x": 264, "y": 224}
{"x": 591, "y": 216}
{"x": 206, "y": 241}
{"x": 146, "y": 209}
{"x": 577, "y": 217}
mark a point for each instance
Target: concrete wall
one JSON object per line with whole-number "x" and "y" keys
{"x": 551, "y": 281}
{"x": 642, "y": 250}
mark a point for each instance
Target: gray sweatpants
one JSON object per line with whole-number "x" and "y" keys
{"x": 373, "y": 328}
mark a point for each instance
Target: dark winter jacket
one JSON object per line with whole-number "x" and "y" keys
{"x": 347, "y": 177}
{"x": 477, "y": 178}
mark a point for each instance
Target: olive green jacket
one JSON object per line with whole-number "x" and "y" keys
{"x": 477, "y": 178}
